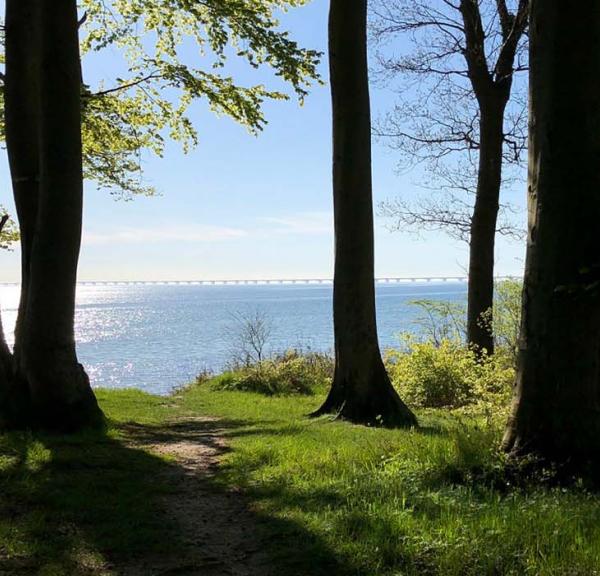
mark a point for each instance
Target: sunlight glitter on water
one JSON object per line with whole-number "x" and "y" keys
{"x": 9, "y": 302}
{"x": 159, "y": 337}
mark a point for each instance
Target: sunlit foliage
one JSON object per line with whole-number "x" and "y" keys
{"x": 8, "y": 230}
{"x": 148, "y": 103}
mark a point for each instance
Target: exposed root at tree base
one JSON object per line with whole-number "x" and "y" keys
{"x": 369, "y": 417}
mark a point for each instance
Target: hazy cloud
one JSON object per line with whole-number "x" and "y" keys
{"x": 301, "y": 224}
{"x": 161, "y": 235}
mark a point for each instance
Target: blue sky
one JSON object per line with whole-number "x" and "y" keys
{"x": 241, "y": 206}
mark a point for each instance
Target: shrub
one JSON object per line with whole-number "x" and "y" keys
{"x": 249, "y": 335}
{"x": 507, "y": 315}
{"x": 284, "y": 374}
{"x": 449, "y": 375}
{"x": 441, "y": 320}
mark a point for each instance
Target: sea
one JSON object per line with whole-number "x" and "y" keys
{"x": 159, "y": 337}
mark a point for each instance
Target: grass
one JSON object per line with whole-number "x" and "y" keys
{"x": 401, "y": 502}
{"x": 336, "y": 498}
{"x": 66, "y": 503}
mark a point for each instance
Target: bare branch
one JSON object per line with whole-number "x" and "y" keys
{"x": 506, "y": 18}
{"x": 460, "y": 55}
{"x": 504, "y": 69}
{"x": 121, "y": 87}
{"x": 447, "y": 214}
{"x": 429, "y": 216}
{"x": 249, "y": 335}
{"x": 82, "y": 20}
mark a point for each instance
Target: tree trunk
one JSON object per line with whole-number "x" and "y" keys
{"x": 5, "y": 360}
{"x": 50, "y": 211}
{"x": 361, "y": 390}
{"x": 22, "y": 110}
{"x": 5, "y": 380}
{"x": 556, "y": 408}
{"x": 483, "y": 228}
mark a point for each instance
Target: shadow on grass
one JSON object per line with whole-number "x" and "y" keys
{"x": 98, "y": 505}
{"x": 75, "y": 505}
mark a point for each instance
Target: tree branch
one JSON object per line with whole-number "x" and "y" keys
{"x": 82, "y": 20}
{"x": 475, "y": 50}
{"x": 132, "y": 84}
{"x": 506, "y": 18}
{"x": 504, "y": 68}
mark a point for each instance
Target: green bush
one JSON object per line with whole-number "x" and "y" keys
{"x": 445, "y": 320}
{"x": 284, "y": 374}
{"x": 449, "y": 375}
{"x": 507, "y": 315}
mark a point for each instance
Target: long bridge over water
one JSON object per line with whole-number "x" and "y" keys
{"x": 273, "y": 281}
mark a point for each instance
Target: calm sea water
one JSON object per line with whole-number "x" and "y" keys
{"x": 159, "y": 337}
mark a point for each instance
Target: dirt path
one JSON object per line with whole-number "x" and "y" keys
{"x": 219, "y": 532}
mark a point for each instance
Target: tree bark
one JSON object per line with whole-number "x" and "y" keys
{"x": 22, "y": 111}
{"x": 5, "y": 357}
{"x": 556, "y": 408}
{"x": 483, "y": 227}
{"x": 492, "y": 89}
{"x": 44, "y": 143}
{"x": 5, "y": 379}
{"x": 361, "y": 390}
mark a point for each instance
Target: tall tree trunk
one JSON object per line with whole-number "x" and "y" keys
{"x": 5, "y": 356}
{"x": 483, "y": 227}
{"x": 361, "y": 390}
{"x": 22, "y": 110}
{"x": 556, "y": 409}
{"x": 492, "y": 87}
{"x": 50, "y": 213}
{"x": 5, "y": 379}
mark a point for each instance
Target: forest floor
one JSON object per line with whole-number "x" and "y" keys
{"x": 230, "y": 483}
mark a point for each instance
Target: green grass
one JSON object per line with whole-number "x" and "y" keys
{"x": 69, "y": 503}
{"x": 336, "y": 498}
{"x": 399, "y": 502}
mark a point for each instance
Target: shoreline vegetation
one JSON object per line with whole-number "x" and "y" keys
{"x": 310, "y": 496}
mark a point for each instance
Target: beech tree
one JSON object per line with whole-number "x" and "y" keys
{"x": 454, "y": 116}
{"x": 6, "y": 236}
{"x": 361, "y": 391}
{"x": 556, "y": 409}
{"x": 5, "y": 379}
{"x": 43, "y": 137}
{"x": 51, "y": 146}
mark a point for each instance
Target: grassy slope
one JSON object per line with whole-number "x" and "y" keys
{"x": 381, "y": 500}
{"x": 339, "y": 498}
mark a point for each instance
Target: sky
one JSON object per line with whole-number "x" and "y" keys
{"x": 245, "y": 207}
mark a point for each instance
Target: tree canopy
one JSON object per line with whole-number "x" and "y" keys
{"x": 149, "y": 100}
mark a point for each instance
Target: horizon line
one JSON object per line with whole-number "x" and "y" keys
{"x": 276, "y": 281}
